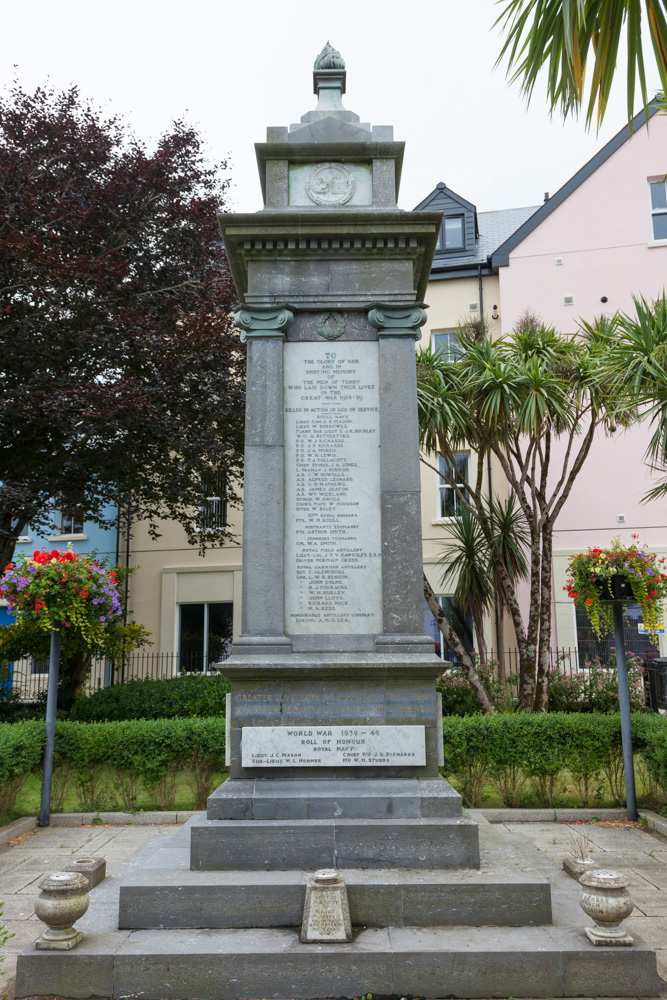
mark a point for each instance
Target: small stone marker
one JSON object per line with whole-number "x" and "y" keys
{"x": 94, "y": 869}
{"x": 326, "y": 914}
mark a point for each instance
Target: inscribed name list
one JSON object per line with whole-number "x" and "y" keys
{"x": 332, "y": 746}
{"x": 333, "y": 563}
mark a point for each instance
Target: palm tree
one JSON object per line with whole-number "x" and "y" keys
{"x": 513, "y": 398}
{"x": 465, "y": 562}
{"x": 566, "y": 36}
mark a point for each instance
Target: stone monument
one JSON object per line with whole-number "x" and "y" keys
{"x": 335, "y": 731}
{"x": 334, "y": 724}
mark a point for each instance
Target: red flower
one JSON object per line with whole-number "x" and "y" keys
{"x": 589, "y": 600}
{"x": 653, "y": 593}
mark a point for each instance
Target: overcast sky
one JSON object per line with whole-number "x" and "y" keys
{"x": 235, "y": 66}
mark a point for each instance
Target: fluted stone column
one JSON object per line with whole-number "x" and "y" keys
{"x": 402, "y": 587}
{"x": 263, "y": 330}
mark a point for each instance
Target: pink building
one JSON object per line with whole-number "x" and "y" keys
{"x": 601, "y": 239}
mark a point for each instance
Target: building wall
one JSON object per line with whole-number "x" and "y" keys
{"x": 602, "y": 234}
{"x": 168, "y": 572}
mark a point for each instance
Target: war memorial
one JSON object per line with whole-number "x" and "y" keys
{"x": 334, "y": 723}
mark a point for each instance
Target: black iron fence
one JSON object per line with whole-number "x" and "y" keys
{"x": 575, "y": 666}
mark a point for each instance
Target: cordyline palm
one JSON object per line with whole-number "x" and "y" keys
{"x": 471, "y": 565}
{"x": 512, "y": 398}
{"x": 639, "y": 367}
{"x": 571, "y": 37}
{"x": 465, "y": 563}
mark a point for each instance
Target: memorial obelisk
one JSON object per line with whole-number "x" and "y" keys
{"x": 334, "y": 714}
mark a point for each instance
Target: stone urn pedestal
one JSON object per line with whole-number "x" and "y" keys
{"x": 62, "y": 901}
{"x": 606, "y": 899}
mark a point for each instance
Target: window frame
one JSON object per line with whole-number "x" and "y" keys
{"x": 661, "y": 181}
{"x": 442, "y": 485}
{"x": 205, "y": 635}
{"x": 451, "y": 333}
{"x": 72, "y": 516}
{"x": 441, "y": 245}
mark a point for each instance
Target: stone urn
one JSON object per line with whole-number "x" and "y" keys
{"x": 63, "y": 899}
{"x": 606, "y": 899}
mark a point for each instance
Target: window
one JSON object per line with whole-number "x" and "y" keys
{"x": 39, "y": 666}
{"x": 449, "y": 503}
{"x": 205, "y": 636}
{"x": 213, "y": 511}
{"x": 69, "y": 524}
{"x": 447, "y": 343}
{"x": 452, "y": 234}
{"x": 659, "y": 209}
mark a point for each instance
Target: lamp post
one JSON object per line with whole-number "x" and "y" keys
{"x": 624, "y": 704}
{"x": 618, "y": 592}
{"x": 51, "y": 705}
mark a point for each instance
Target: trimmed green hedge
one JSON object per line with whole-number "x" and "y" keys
{"x": 176, "y": 698}
{"x": 514, "y": 752}
{"x": 137, "y": 753}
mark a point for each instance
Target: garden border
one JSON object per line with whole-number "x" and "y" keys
{"x": 175, "y": 818}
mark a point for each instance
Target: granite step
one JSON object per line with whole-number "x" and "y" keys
{"x": 387, "y": 962}
{"x": 283, "y": 845}
{"x": 177, "y": 897}
{"x": 378, "y": 798}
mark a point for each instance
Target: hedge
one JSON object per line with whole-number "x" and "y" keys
{"x": 512, "y": 752}
{"x": 135, "y": 753}
{"x": 175, "y": 698}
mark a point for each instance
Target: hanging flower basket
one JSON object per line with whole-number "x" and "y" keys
{"x": 598, "y": 577}
{"x": 64, "y": 590}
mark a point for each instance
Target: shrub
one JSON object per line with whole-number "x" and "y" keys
{"x": 510, "y": 750}
{"x": 186, "y": 696}
{"x": 21, "y": 752}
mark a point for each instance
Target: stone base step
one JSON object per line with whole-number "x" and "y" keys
{"x": 380, "y": 898}
{"x": 387, "y": 962}
{"x": 388, "y": 798}
{"x": 285, "y": 845}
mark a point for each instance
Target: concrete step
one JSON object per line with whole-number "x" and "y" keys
{"x": 175, "y": 897}
{"x": 379, "y": 798}
{"x": 405, "y": 961}
{"x": 283, "y": 845}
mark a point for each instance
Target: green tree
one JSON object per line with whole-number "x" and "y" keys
{"x": 513, "y": 399}
{"x": 565, "y": 37}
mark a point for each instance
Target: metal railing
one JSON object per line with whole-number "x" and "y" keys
{"x": 28, "y": 678}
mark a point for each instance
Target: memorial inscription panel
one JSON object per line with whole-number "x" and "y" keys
{"x": 333, "y": 562}
{"x": 332, "y": 746}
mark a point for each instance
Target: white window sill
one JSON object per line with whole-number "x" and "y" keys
{"x": 658, "y": 243}
{"x": 68, "y": 538}
{"x": 24, "y": 540}
{"x": 446, "y": 520}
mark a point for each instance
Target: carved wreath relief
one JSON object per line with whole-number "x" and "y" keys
{"x": 330, "y": 184}
{"x": 331, "y": 325}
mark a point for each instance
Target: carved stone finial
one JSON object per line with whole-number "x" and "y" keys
{"x": 329, "y": 58}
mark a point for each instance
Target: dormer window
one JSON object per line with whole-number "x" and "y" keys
{"x": 452, "y": 233}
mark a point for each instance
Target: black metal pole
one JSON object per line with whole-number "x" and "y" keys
{"x": 624, "y": 703}
{"x": 51, "y": 704}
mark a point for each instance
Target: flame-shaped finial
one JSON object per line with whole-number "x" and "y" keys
{"x": 329, "y": 58}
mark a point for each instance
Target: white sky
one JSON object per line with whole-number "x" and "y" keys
{"x": 235, "y": 66}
